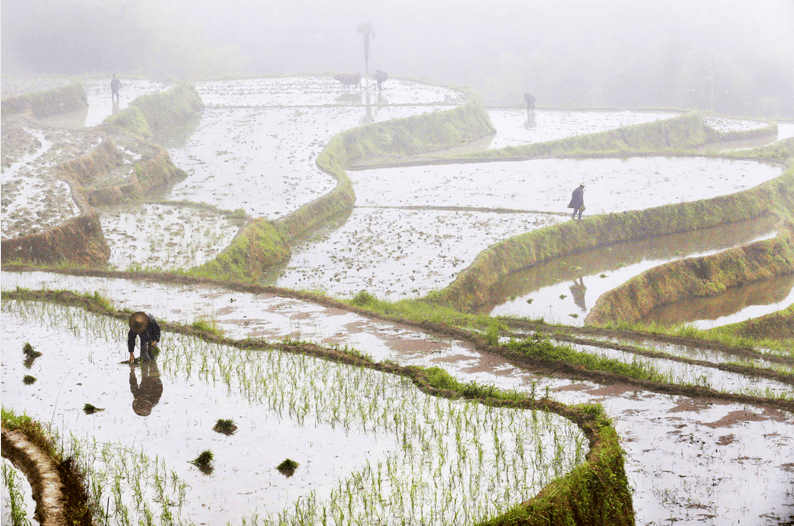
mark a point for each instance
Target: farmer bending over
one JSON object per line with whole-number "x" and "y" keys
{"x": 145, "y": 326}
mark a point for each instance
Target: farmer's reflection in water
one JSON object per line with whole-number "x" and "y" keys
{"x": 148, "y": 392}
{"x": 578, "y": 291}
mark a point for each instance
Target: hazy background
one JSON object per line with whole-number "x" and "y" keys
{"x": 621, "y": 53}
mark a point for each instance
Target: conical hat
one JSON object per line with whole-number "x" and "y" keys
{"x": 138, "y": 322}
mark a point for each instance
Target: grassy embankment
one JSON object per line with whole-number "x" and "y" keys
{"x": 594, "y": 492}
{"x": 49, "y": 102}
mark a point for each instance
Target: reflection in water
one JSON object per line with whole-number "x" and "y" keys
{"x": 578, "y": 290}
{"x": 368, "y": 119}
{"x": 530, "y": 122}
{"x": 732, "y": 306}
{"x": 147, "y": 394}
{"x": 542, "y": 291}
{"x": 115, "y": 109}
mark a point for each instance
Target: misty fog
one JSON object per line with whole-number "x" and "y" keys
{"x": 578, "y": 53}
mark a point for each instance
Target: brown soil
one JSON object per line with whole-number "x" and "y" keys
{"x": 42, "y": 473}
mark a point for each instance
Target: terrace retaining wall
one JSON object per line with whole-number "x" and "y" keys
{"x": 696, "y": 278}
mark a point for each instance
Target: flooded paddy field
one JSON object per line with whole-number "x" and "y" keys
{"x": 732, "y": 306}
{"x": 33, "y": 197}
{"x": 447, "y": 214}
{"x": 395, "y": 253}
{"x": 322, "y": 91}
{"x": 378, "y": 448}
{"x": 513, "y": 128}
{"x": 256, "y": 144}
{"x": 165, "y": 236}
{"x": 612, "y": 184}
{"x": 17, "y": 495}
{"x": 687, "y": 458}
{"x": 564, "y": 290}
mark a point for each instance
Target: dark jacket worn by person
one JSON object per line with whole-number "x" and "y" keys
{"x": 150, "y": 334}
{"x": 577, "y": 199}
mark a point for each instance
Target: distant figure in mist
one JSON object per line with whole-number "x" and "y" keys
{"x": 115, "y": 86}
{"x": 145, "y": 326}
{"x": 146, "y": 394}
{"x": 578, "y": 291}
{"x": 349, "y": 79}
{"x": 380, "y": 77}
{"x": 530, "y": 100}
{"x": 577, "y": 201}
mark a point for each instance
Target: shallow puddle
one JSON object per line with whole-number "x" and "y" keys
{"x": 564, "y": 290}
{"x": 165, "y": 236}
{"x": 513, "y": 128}
{"x": 423, "y": 459}
{"x": 735, "y": 305}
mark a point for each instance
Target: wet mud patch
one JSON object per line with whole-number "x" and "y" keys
{"x": 34, "y": 197}
{"x": 166, "y": 236}
{"x": 396, "y": 254}
{"x": 735, "y": 418}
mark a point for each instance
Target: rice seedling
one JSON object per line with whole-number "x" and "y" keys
{"x": 225, "y": 426}
{"x": 204, "y": 461}
{"x": 14, "y": 506}
{"x": 451, "y": 460}
{"x": 287, "y": 467}
{"x": 29, "y": 380}
{"x": 90, "y": 409}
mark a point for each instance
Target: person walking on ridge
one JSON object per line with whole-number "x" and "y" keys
{"x": 145, "y": 326}
{"x": 115, "y": 86}
{"x": 577, "y": 201}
